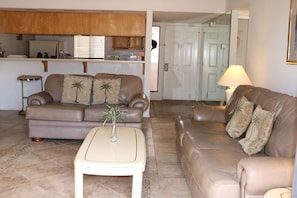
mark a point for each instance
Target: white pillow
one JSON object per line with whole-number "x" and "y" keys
{"x": 106, "y": 91}
{"x": 76, "y": 89}
{"x": 241, "y": 118}
{"x": 258, "y": 132}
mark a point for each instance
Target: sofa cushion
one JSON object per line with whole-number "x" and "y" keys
{"x": 215, "y": 172}
{"x": 258, "y": 132}
{"x": 54, "y": 86}
{"x": 56, "y": 112}
{"x": 241, "y": 118}
{"x": 106, "y": 90}
{"x": 76, "y": 89}
{"x": 206, "y": 135}
{"x": 130, "y": 85}
{"x": 95, "y": 113}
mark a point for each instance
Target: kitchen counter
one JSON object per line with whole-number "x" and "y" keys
{"x": 72, "y": 60}
{"x": 84, "y": 62}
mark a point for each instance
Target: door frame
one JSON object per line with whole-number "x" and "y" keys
{"x": 159, "y": 94}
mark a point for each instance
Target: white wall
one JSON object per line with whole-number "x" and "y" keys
{"x": 267, "y": 46}
{"x": 238, "y": 4}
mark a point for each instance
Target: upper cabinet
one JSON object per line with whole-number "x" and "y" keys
{"x": 117, "y": 24}
{"x": 70, "y": 23}
{"x": 124, "y": 42}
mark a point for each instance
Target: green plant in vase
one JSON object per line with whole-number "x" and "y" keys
{"x": 112, "y": 115}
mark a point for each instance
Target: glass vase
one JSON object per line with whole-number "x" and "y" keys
{"x": 114, "y": 137}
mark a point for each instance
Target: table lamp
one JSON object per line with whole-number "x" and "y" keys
{"x": 234, "y": 75}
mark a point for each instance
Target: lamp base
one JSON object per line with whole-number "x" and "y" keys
{"x": 229, "y": 92}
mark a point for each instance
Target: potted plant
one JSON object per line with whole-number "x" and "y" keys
{"x": 113, "y": 113}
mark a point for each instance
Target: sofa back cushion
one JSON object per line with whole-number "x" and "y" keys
{"x": 130, "y": 85}
{"x": 106, "y": 91}
{"x": 282, "y": 141}
{"x": 54, "y": 85}
{"x": 77, "y": 89}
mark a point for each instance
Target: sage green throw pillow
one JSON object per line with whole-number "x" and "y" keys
{"x": 76, "y": 89}
{"x": 258, "y": 132}
{"x": 241, "y": 118}
{"x": 106, "y": 91}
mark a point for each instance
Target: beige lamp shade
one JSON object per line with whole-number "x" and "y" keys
{"x": 235, "y": 75}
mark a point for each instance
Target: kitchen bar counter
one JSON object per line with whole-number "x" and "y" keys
{"x": 84, "y": 62}
{"x": 72, "y": 60}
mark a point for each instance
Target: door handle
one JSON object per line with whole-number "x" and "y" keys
{"x": 166, "y": 66}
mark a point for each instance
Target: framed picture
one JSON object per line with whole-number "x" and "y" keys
{"x": 292, "y": 35}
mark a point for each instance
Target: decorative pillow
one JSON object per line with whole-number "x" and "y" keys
{"x": 241, "y": 118}
{"x": 106, "y": 91}
{"x": 258, "y": 132}
{"x": 76, "y": 89}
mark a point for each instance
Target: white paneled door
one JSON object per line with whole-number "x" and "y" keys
{"x": 215, "y": 61}
{"x": 181, "y": 60}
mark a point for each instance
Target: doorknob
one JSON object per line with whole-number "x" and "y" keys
{"x": 166, "y": 66}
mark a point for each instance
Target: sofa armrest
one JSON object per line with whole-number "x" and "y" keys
{"x": 139, "y": 101}
{"x": 257, "y": 175}
{"x": 209, "y": 113}
{"x": 40, "y": 98}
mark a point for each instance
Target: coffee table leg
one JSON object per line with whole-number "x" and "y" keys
{"x": 137, "y": 184}
{"x": 78, "y": 183}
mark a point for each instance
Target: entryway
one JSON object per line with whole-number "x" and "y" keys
{"x": 192, "y": 59}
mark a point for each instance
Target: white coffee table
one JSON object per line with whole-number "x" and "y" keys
{"x": 99, "y": 156}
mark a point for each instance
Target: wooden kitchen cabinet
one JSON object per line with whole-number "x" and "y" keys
{"x": 22, "y": 22}
{"x": 71, "y": 23}
{"x": 25, "y": 22}
{"x": 135, "y": 43}
{"x": 117, "y": 24}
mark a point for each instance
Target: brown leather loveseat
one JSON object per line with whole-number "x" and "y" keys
{"x": 51, "y": 117}
{"x": 216, "y": 165}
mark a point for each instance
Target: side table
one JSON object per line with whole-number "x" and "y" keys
{"x": 28, "y": 78}
{"x": 279, "y": 193}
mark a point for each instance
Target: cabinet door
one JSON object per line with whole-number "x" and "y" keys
{"x": 136, "y": 43}
{"x": 117, "y": 24}
{"x": 72, "y": 23}
{"x": 24, "y": 22}
{"x": 124, "y": 42}
{"x": 120, "y": 42}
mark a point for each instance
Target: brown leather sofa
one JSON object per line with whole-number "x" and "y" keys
{"x": 215, "y": 164}
{"x": 50, "y": 118}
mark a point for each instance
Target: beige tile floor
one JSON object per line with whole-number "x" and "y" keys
{"x": 46, "y": 169}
